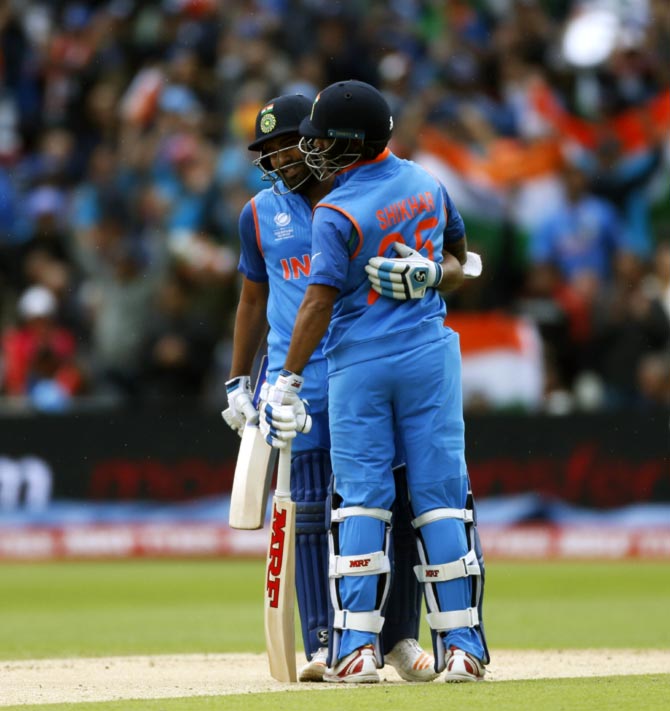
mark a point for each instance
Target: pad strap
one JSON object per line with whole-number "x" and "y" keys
{"x": 464, "y": 515}
{"x": 461, "y": 568}
{"x": 362, "y": 564}
{"x": 338, "y": 515}
{"x": 360, "y": 621}
{"x": 445, "y": 621}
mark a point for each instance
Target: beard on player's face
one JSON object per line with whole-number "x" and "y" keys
{"x": 282, "y": 160}
{"x": 294, "y": 174}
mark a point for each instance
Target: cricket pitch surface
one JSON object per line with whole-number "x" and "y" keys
{"x": 45, "y": 681}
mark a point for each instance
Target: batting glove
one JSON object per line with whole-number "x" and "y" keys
{"x": 282, "y": 412}
{"x": 405, "y": 277}
{"x": 240, "y": 404}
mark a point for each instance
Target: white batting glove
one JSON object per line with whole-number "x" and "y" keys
{"x": 240, "y": 404}
{"x": 404, "y": 277}
{"x": 282, "y": 412}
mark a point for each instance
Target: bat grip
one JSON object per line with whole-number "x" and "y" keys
{"x": 283, "y": 489}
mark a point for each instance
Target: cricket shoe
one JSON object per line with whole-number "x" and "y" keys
{"x": 359, "y": 667}
{"x": 462, "y": 666}
{"x": 411, "y": 662}
{"x": 314, "y": 669}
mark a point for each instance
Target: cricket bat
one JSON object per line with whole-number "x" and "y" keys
{"x": 280, "y": 577}
{"x": 253, "y": 472}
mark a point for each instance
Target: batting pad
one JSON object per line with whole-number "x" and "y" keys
{"x": 311, "y": 473}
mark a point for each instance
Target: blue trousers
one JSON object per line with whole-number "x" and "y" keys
{"x": 416, "y": 395}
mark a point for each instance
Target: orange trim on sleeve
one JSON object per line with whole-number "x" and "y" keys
{"x": 257, "y": 226}
{"x": 353, "y": 222}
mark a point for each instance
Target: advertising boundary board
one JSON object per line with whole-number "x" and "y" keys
{"x": 595, "y": 461}
{"x": 186, "y": 540}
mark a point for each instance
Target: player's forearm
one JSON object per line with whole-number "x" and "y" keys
{"x": 310, "y": 327}
{"x": 459, "y": 249}
{"x": 249, "y": 334}
{"x": 452, "y": 274}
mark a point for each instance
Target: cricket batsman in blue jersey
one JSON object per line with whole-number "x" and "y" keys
{"x": 275, "y": 261}
{"x": 394, "y": 375}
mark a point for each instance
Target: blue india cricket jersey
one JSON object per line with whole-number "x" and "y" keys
{"x": 276, "y": 238}
{"x": 372, "y": 205}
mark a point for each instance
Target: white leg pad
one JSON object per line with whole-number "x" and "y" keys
{"x": 465, "y": 515}
{"x": 440, "y": 621}
{"x": 374, "y": 563}
{"x": 338, "y": 515}
{"x": 445, "y": 621}
{"x": 461, "y": 568}
{"x": 371, "y": 621}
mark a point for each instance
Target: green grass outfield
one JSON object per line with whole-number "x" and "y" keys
{"x": 177, "y": 607}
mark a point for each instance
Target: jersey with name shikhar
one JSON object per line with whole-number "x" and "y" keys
{"x": 276, "y": 244}
{"x": 372, "y": 205}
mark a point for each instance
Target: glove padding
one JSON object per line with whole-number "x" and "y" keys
{"x": 404, "y": 277}
{"x": 282, "y": 413}
{"x": 240, "y": 408}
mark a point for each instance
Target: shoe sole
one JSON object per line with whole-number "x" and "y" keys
{"x": 362, "y": 679}
{"x": 461, "y": 678}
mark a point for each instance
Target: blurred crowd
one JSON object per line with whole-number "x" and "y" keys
{"x": 123, "y": 169}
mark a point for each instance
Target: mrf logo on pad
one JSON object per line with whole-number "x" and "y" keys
{"x": 360, "y": 563}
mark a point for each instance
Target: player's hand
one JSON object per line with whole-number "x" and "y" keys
{"x": 240, "y": 404}
{"x": 404, "y": 277}
{"x": 282, "y": 412}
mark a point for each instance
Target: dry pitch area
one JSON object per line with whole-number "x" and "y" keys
{"x": 140, "y": 677}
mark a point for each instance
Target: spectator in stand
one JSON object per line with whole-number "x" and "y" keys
{"x": 623, "y": 180}
{"x": 44, "y": 257}
{"x": 122, "y": 275}
{"x": 582, "y": 237}
{"x": 178, "y": 351}
{"x": 70, "y": 63}
{"x": 629, "y": 325}
{"x": 653, "y": 375}
{"x": 653, "y": 380}
{"x": 571, "y": 255}
{"x": 40, "y": 355}
{"x": 660, "y": 279}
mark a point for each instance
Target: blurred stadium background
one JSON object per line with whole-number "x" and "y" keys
{"x": 123, "y": 168}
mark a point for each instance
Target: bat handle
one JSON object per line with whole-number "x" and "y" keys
{"x": 283, "y": 489}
